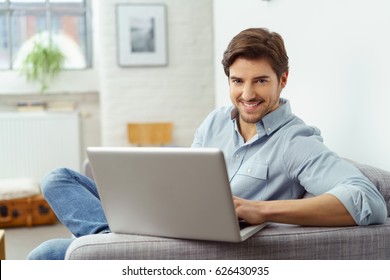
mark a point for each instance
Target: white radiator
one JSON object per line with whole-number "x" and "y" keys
{"x": 33, "y": 143}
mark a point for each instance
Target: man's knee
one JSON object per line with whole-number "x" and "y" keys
{"x": 53, "y": 179}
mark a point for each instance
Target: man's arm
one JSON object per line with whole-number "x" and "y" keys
{"x": 331, "y": 180}
{"x": 323, "y": 210}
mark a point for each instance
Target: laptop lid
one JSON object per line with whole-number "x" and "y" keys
{"x": 169, "y": 192}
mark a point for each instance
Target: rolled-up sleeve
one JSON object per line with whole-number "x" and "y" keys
{"x": 365, "y": 205}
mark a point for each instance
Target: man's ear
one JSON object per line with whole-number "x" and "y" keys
{"x": 283, "y": 79}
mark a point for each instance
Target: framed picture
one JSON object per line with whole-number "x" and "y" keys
{"x": 141, "y": 35}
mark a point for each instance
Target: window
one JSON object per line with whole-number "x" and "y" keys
{"x": 66, "y": 22}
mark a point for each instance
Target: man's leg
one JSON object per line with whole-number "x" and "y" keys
{"x": 75, "y": 200}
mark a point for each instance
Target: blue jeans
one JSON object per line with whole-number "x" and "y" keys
{"x": 75, "y": 200}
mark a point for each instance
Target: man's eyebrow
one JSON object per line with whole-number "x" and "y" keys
{"x": 261, "y": 77}
{"x": 254, "y": 78}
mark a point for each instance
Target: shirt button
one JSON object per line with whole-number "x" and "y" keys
{"x": 249, "y": 170}
{"x": 269, "y": 129}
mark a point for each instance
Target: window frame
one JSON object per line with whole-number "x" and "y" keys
{"x": 7, "y": 8}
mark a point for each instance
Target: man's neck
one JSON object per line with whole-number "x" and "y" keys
{"x": 247, "y": 130}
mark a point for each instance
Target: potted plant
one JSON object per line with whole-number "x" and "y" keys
{"x": 43, "y": 63}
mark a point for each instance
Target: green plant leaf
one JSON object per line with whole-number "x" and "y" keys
{"x": 43, "y": 63}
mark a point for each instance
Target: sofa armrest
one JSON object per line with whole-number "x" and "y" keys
{"x": 274, "y": 242}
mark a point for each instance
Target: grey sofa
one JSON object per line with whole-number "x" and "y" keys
{"x": 277, "y": 241}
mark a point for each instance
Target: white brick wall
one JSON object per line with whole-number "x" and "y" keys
{"x": 182, "y": 92}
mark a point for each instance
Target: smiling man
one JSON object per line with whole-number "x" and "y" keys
{"x": 273, "y": 157}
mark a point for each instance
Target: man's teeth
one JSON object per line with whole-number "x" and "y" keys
{"x": 251, "y": 104}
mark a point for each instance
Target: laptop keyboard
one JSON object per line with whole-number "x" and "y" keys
{"x": 243, "y": 224}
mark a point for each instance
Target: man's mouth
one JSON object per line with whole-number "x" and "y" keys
{"x": 251, "y": 104}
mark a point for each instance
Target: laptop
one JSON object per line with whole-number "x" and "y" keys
{"x": 167, "y": 192}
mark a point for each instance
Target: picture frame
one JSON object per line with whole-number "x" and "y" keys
{"x": 141, "y": 35}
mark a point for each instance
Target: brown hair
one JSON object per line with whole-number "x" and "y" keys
{"x": 257, "y": 43}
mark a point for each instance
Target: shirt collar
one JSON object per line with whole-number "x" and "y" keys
{"x": 272, "y": 121}
{"x": 277, "y": 118}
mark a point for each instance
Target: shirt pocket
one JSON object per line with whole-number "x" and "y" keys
{"x": 251, "y": 181}
{"x": 254, "y": 170}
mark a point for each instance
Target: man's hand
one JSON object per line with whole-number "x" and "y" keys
{"x": 248, "y": 210}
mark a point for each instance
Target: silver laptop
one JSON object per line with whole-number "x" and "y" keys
{"x": 168, "y": 192}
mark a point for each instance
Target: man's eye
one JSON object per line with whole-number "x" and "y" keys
{"x": 236, "y": 81}
{"x": 262, "y": 81}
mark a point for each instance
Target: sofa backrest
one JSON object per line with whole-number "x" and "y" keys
{"x": 380, "y": 178}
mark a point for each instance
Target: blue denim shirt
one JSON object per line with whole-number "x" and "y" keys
{"x": 286, "y": 159}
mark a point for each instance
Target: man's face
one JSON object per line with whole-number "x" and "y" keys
{"x": 254, "y": 89}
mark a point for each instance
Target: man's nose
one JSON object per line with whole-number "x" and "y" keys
{"x": 248, "y": 92}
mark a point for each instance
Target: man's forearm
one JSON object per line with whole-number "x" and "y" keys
{"x": 323, "y": 210}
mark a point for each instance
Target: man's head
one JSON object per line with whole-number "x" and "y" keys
{"x": 254, "y": 44}
{"x": 256, "y": 64}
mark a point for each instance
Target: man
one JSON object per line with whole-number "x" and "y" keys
{"x": 272, "y": 157}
